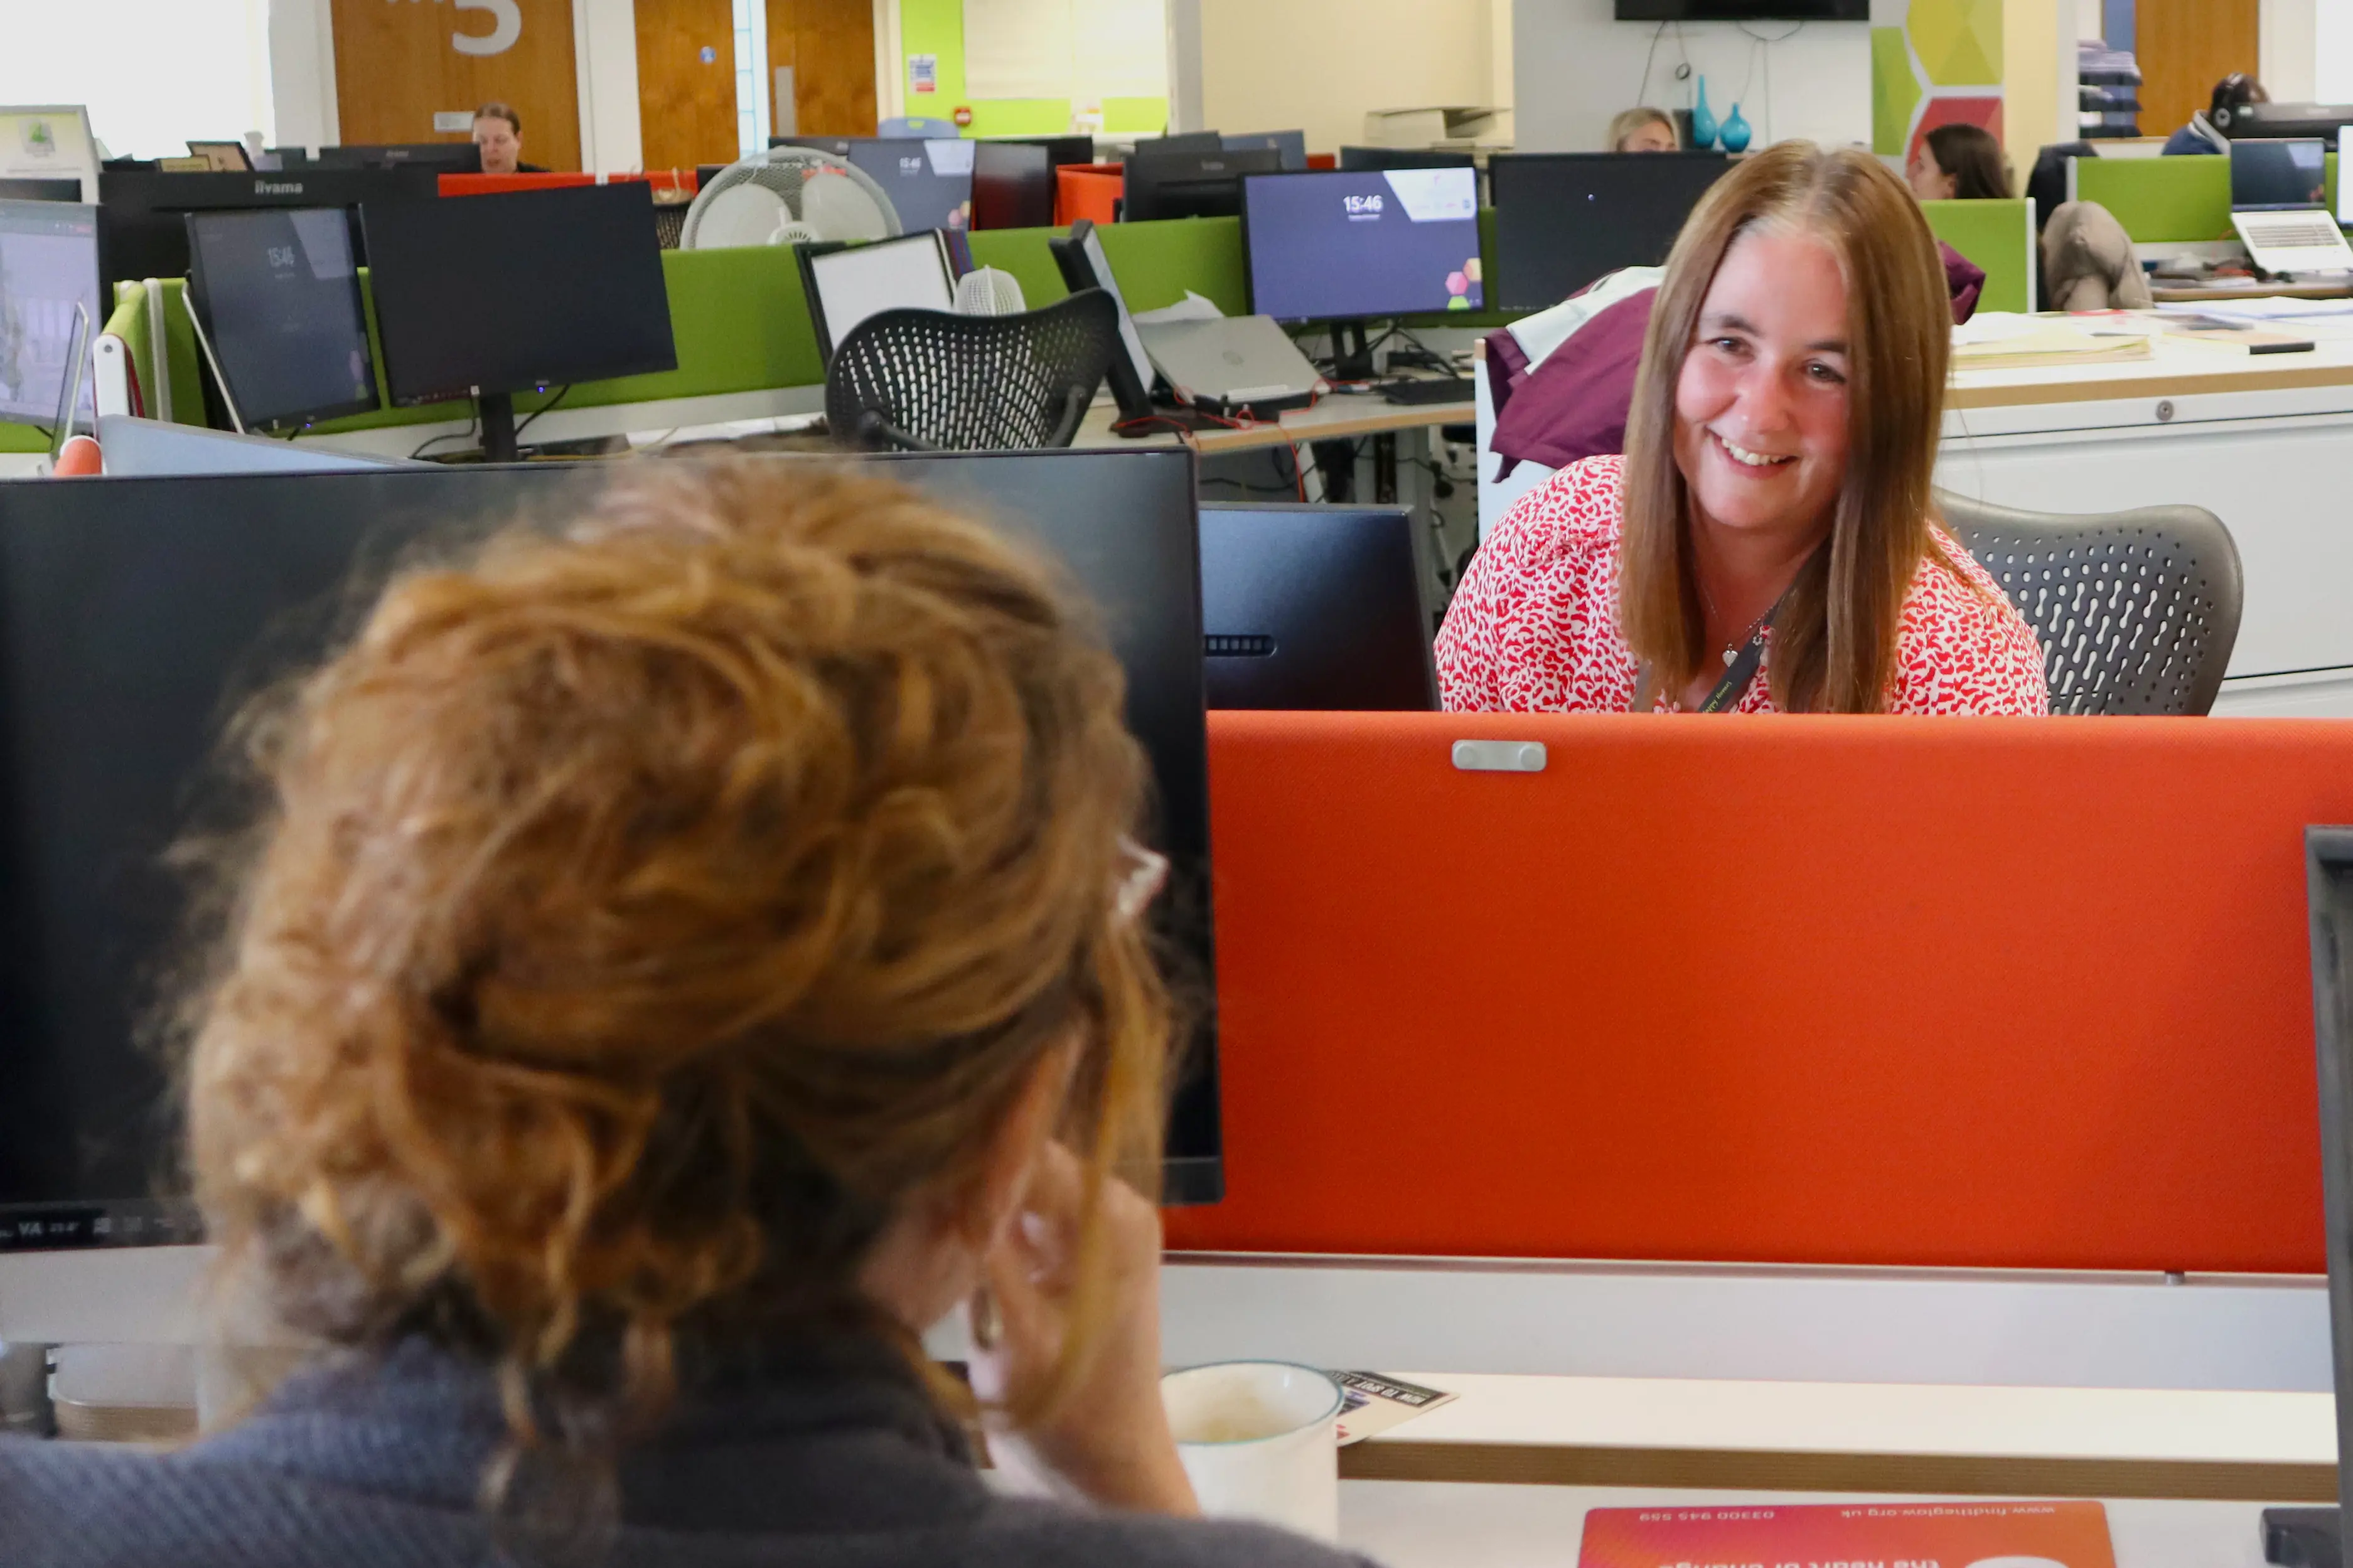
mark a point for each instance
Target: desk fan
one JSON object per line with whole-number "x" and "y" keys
{"x": 788, "y": 195}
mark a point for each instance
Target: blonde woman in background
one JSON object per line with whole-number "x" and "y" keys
{"x": 1644, "y": 131}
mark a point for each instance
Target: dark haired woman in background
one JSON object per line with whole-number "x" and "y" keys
{"x": 1959, "y": 162}
{"x": 678, "y": 963}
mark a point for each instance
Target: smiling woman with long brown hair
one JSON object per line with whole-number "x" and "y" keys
{"x": 677, "y": 960}
{"x": 1767, "y": 541}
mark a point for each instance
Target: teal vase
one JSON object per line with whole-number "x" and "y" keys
{"x": 1735, "y": 132}
{"x": 1703, "y": 121}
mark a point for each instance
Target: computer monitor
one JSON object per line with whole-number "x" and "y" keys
{"x": 846, "y": 283}
{"x": 1313, "y": 608}
{"x": 1182, "y": 141}
{"x": 39, "y": 190}
{"x": 210, "y": 588}
{"x": 836, "y": 145}
{"x": 1012, "y": 186}
{"x": 489, "y": 296}
{"x": 141, "y": 229}
{"x": 2272, "y": 174}
{"x": 1060, "y": 150}
{"x": 442, "y": 157}
{"x": 929, "y": 180}
{"x": 48, "y": 270}
{"x": 1563, "y": 220}
{"x": 1189, "y": 184}
{"x": 1360, "y": 158}
{"x": 2274, "y": 120}
{"x": 1341, "y": 245}
{"x": 279, "y": 296}
{"x": 1083, "y": 265}
{"x": 1291, "y": 146}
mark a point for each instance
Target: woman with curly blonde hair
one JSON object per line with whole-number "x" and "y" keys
{"x": 680, "y": 958}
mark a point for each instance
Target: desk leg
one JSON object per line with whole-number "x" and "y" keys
{"x": 1385, "y": 468}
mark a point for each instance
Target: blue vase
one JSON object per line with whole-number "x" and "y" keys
{"x": 1735, "y": 132}
{"x": 1703, "y": 121}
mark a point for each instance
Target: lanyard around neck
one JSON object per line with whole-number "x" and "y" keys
{"x": 1740, "y": 667}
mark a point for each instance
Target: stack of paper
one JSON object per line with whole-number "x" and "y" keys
{"x": 1999, "y": 339}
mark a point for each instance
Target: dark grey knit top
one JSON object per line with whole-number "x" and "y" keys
{"x": 842, "y": 1462}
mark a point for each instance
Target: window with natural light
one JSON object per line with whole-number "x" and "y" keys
{"x": 193, "y": 67}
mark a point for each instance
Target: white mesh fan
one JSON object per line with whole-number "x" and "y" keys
{"x": 788, "y": 195}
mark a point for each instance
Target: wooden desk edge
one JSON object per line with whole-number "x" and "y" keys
{"x": 2182, "y": 383}
{"x": 1744, "y": 1469}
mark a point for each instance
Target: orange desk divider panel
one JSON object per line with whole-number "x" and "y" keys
{"x": 1088, "y": 191}
{"x": 1974, "y": 993}
{"x": 662, "y": 180}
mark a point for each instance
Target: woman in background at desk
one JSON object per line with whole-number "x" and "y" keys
{"x": 498, "y": 131}
{"x": 1766, "y": 542}
{"x": 1959, "y": 162}
{"x": 1644, "y": 131}
{"x": 677, "y": 963}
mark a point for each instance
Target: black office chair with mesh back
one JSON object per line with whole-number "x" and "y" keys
{"x": 2137, "y": 611}
{"x": 926, "y": 381}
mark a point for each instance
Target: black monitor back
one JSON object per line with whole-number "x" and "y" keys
{"x": 1291, "y": 146}
{"x": 1012, "y": 186}
{"x": 1358, "y": 158}
{"x": 136, "y": 614}
{"x": 40, "y": 190}
{"x": 1182, "y": 141}
{"x": 525, "y": 289}
{"x": 1190, "y": 184}
{"x": 1563, "y": 220}
{"x": 1061, "y": 149}
{"x": 1313, "y": 608}
{"x": 140, "y": 233}
{"x": 441, "y": 157}
{"x": 2273, "y": 120}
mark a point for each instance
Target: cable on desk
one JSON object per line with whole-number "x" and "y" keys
{"x": 473, "y": 424}
{"x": 560, "y": 393}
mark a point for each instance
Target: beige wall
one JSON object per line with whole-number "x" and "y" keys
{"x": 2037, "y": 77}
{"x": 1318, "y": 65}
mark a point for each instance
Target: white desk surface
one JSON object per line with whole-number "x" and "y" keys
{"x": 2199, "y": 1425}
{"x": 1414, "y": 1524}
{"x": 1863, "y": 1436}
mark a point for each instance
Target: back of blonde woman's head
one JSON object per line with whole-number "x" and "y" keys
{"x": 646, "y": 913}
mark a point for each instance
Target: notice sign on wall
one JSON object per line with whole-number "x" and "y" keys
{"x": 1851, "y": 1535}
{"x": 922, "y": 73}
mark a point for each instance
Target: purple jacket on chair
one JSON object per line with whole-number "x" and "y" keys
{"x": 1574, "y": 404}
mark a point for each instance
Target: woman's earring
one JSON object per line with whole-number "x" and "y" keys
{"x": 988, "y": 1323}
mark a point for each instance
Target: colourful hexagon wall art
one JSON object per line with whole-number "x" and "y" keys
{"x": 1933, "y": 62}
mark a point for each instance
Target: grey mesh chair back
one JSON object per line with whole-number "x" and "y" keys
{"x": 2137, "y": 611}
{"x": 927, "y": 381}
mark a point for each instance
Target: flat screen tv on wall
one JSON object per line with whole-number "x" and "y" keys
{"x": 1744, "y": 10}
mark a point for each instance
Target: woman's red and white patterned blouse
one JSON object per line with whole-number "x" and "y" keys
{"x": 1533, "y": 626}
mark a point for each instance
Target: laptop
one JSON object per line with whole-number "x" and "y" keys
{"x": 1231, "y": 362}
{"x": 2278, "y": 205}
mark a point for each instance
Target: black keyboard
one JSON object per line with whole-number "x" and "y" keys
{"x": 1433, "y": 389}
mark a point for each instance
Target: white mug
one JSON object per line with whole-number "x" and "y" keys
{"x": 1260, "y": 1440}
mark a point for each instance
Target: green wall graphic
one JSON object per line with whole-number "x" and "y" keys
{"x": 1933, "y": 62}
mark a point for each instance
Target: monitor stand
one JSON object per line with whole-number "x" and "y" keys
{"x": 1352, "y": 357}
{"x": 2303, "y": 1538}
{"x": 496, "y": 412}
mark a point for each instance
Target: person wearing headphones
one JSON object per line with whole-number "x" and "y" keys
{"x": 2208, "y": 128}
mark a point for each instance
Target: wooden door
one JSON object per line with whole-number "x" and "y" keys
{"x": 2185, "y": 48}
{"x": 686, "y": 82}
{"x": 829, "y": 45}
{"x": 398, "y": 64}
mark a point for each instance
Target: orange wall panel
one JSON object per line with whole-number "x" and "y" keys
{"x": 1839, "y": 991}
